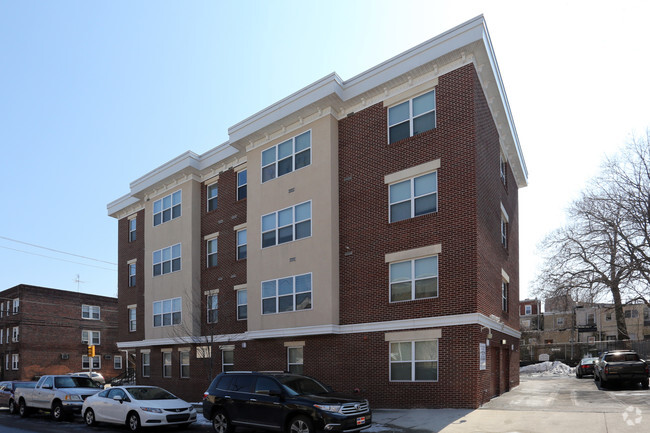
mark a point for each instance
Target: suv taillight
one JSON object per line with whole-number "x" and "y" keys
{"x": 607, "y": 369}
{"x": 205, "y": 395}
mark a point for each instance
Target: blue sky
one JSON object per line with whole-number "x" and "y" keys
{"x": 94, "y": 95}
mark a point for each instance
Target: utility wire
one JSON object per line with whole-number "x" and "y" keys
{"x": 56, "y": 258}
{"x": 56, "y": 251}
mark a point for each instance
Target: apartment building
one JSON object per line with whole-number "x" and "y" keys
{"x": 364, "y": 232}
{"x": 47, "y": 331}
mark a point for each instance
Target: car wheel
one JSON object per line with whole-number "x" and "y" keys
{"x": 603, "y": 383}
{"x": 89, "y": 417}
{"x": 57, "y": 411}
{"x": 133, "y": 421}
{"x": 12, "y": 407}
{"x": 301, "y": 424}
{"x": 645, "y": 383}
{"x": 23, "y": 411}
{"x": 221, "y": 423}
{"x": 578, "y": 375}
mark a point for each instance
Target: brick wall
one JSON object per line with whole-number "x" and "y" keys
{"x": 127, "y": 251}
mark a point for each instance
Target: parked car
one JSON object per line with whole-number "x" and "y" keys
{"x": 62, "y": 395}
{"x": 137, "y": 406}
{"x": 621, "y": 366}
{"x": 97, "y": 377}
{"x": 585, "y": 367}
{"x": 281, "y": 402}
{"x": 7, "y": 393}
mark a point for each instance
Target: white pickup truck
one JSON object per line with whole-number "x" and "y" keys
{"x": 60, "y": 394}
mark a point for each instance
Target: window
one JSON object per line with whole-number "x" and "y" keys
{"x": 146, "y": 364}
{"x": 504, "y": 227}
{"x": 117, "y": 362}
{"x": 227, "y": 360}
{"x": 504, "y": 295}
{"x": 286, "y": 294}
{"x": 503, "y": 169}
{"x": 16, "y": 306}
{"x": 14, "y": 361}
{"x": 2, "y": 309}
{"x": 414, "y": 197}
{"x": 212, "y": 252}
{"x": 7, "y": 335}
{"x": 241, "y": 244}
{"x": 97, "y": 363}
{"x": 132, "y": 228}
{"x": 286, "y": 157}
{"x": 413, "y": 361}
{"x": 631, "y": 314}
{"x": 608, "y": 317}
{"x": 90, "y": 337}
{"x": 167, "y": 312}
{"x": 203, "y": 352}
{"x": 242, "y": 182}
{"x": 132, "y": 320}
{"x": 286, "y": 225}
{"x": 529, "y": 310}
{"x": 15, "y": 335}
{"x": 559, "y": 321}
{"x": 242, "y": 304}
{"x": 185, "y": 363}
{"x": 1, "y": 336}
{"x": 131, "y": 274}
{"x": 167, "y": 260}
{"x": 412, "y": 117}
{"x": 6, "y": 362}
{"x": 591, "y": 318}
{"x": 167, "y": 208}
{"x": 414, "y": 279}
{"x": 213, "y": 308}
{"x": 90, "y": 312}
{"x": 295, "y": 360}
{"x": 213, "y": 193}
{"x": 167, "y": 364}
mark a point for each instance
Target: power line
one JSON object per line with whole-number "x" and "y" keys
{"x": 56, "y": 251}
{"x": 56, "y": 258}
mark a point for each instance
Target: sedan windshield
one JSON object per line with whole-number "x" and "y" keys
{"x": 144, "y": 393}
{"x": 74, "y": 382}
{"x": 296, "y": 385}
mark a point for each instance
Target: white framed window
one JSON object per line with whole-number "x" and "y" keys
{"x": 91, "y": 312}
{"x": 132, "y": 229}
{"x": 286, "y": 157}
{"x": 16, "y": 306}
{"x": 242, "y": 183}
{"x": 167, "y": 208}
{"x": 91, "y": 337}
{"x": 167, "y": 312}
{"x": 227, "y": 360}
{"x": 203, "y": 352}
{"x": 295, "y": 360}
{"x": 117, "y": 362}
{"x": 414, "y": 279}
{"x": 146, "y": 363}
{"x": 7, "y": 335}
{"x": 14, "y": 361}
{"x": 167, "y": 364}
{"x": 608, "y": 317}
{"x": 504, "y": 295}
{"x": 414, "y": 361}
{"x": 413, "y": 197}
{"x": 132, "y": 320}
{"x": 504, "y": 227}
{"x": 97, "y": 362}
{"x": 6, "y": 362}
{"x": 242, "y": 304}
{"x": 528, "y": 310}
{"x": 412, "y": 117}
{"x": 213, "y": 196}
{"x": 2, "y": 336}
{"x": 15, "y": 335}
{"x": 184, "y": 357}
{"x": 503, "y": 169}
{"x": 212, "y": 252}
{"x": 287, "y": 294}
{"x": 167, "y": 260}
{"x": 213, "y": 308}
{"x": 2, "y": 309}
{"x": 286, "y": 225}
{"x": 132, "y": 274}
{"x": 241, "y": 244}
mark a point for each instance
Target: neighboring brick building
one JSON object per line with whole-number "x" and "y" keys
{"x": 363, "y": 232}
{"x": 42, "y": 331}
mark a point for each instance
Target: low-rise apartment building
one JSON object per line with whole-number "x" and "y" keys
{"x": 364, "y": 232}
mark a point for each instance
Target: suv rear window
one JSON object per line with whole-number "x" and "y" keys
{"x": 620, "y": 357}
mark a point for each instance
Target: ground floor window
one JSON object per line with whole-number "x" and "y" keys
{"x": 227, "y": 360}
{"x": 167, "y": 364}
{"x": 117, "y": 362}
{"x": 412, "y": 361}
{"x": 295, "y": 360}
{"x": 14, "y": 361}
{"x": 146, "y": 364}
{"x": 97, "y": 362}
{"x": 185, "y": 363}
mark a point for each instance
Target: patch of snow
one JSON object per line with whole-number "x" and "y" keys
{"x": 548, "y": 368}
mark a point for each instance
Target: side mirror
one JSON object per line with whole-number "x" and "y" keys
{"x": 118, "y": 398}
{"x": 275, "y": 393}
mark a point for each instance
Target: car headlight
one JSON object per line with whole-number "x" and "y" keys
{"x": 151, "y": 409}
{"x": 73, "y": 397}
{"x": 335, "y": 408}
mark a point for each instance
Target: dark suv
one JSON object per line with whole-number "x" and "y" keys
{"x": 281, "y": 402}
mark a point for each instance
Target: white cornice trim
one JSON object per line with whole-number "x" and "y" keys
{"x": 393, "y": 325}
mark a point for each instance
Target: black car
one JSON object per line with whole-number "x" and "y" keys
{"x": 585, "y": 367}
{"x": 281, "y": 402}
{"x": 7, "y": 393}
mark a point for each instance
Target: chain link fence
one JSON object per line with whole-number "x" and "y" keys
{"x": 572, "y": 353}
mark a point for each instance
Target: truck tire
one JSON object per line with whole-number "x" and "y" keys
{"x": 57, "y": 411}
{"x": 23, "y": 410}
{"x": 13, "y": 407}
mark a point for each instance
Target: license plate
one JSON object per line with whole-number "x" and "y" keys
{"x": 361, "y": 420}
